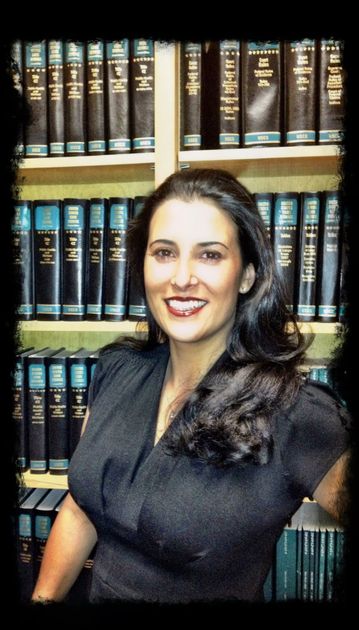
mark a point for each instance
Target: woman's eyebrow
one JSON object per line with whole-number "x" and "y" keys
{"x": 204, "y": 244}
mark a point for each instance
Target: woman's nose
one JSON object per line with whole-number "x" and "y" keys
{"x": 184, "y": 275}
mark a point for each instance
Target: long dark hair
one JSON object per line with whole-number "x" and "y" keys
{"x": 226, "y": 420}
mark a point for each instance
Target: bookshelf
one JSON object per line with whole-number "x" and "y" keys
{"x": 264, "y": 169}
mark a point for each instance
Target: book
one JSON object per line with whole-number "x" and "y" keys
{"x": 329, "y": 257}
{"x": 191, "y": 95}
{"x": 23, "y": 251}
{"x": 47, "y": 258}
{"x": 95, "y": 256}
{"x": 331, "y": 91}
{"x": 35, "y": 93}
{"x": 17, "y": 67}
{"x": 95, "y": 83}
{"x": 58, "y": 412}
{"x": 45, "y": 515}
{"x": 229, "y": 96}
{"x": 285, "y": 237}
{"x": 286, "y": 561}
{"x": 19, "y": 413}
{"x": 307, "y": 258}
{"x": 75, "y": 227}
{"x": 37, "y": 409}
{"x": 136, "y": 293}
{"x": 55, "y": 89}
{"x": 142, "y": 90}
{"x": 264, "y": 203}
{"x": 75, "y": 98}
{"x": 344, "y": 266}
{"x": 79, "y": 376}
{"x": 300, "y": 91}
{"x": 118, "y": 96}
{"x": 115, "y": 290}
{"x": 261, "y": 93}
{"x": 25, "y": 542}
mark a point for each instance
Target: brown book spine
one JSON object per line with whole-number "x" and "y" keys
{"x": 331, "y": 92}
{"x": 55, "y": 88}
{"x": 191, "y": 89}
{"x": 300, "y": 64}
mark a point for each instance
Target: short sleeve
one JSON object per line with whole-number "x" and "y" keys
{"x": 105, "y": 364}
{"x": 316, "y": 434}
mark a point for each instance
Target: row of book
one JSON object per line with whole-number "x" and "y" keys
{"x": 254, "y": 93}
{"x": 84, "y": 98}
{"x": 50, "y": 390}
{"x": 35, "y": 514}
{"x": 307, "y": 563}
{"x": 50, "y": 393}
{"x": 71, "y": 256}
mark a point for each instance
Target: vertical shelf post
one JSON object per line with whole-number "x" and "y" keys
{"x": 166, "y": 115}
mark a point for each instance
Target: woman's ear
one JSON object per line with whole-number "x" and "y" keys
{"x": 248, "y": 278}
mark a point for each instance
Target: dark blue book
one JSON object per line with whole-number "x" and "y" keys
{"x": 75, "y": 225}
{"x": 37, "y": 409}
{"x": 95, "y": 94}
{"x": 75, "y": 98}
{"x": 142, "y": 81}
{"x": 47, "y": 258}
{"x": 58, "y": 412}
{"x": 191, "y": 95}
{"x": 55, "y": 89}
{"x": 79, "y": 379}
{"x": 264, "y": 203}
{"x": 35, "y": 93}
{"x": 17, "y": 67}
{"x": 116, "y": 277}
{"x": 20, "y": 411}
{"x": 95, "y": 256}
{"x": 25, "y": 542}
{"x": 136, "y": 295}
{"x": 45, "y": 514}
{"x": 307, "y": 259}
{"x": 117, "y": 103}
{"x": 23, "y": 259}
{"x": 285, "y": 241}
{"x": 329, "y": 257}
{"x": 331, "y": 91}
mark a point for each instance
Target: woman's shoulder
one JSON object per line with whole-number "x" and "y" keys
{"x": 316, "y": 398}
{"x": 126, "y": 354}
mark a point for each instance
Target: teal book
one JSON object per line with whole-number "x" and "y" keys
{"x": 264, "y": 203}
{"x": 48, "y": 258}
{"x": 95, "y": 258}
{"x": 329, "y": 257}
{"x": 116, "y": 264}
{"x": 22, "y": 231}
{"x": 74, "y": 232}
{"x": 285, "y": 242}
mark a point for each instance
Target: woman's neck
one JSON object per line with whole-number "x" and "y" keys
{"x": 189, "y": 362}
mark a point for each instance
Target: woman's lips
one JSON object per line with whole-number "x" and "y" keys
{"x": 184, "y": 307}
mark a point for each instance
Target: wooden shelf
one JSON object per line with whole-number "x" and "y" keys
{"x": 261, "y": 153}
{"x": 44, "y": 481}
{"x": 86, "y": 161}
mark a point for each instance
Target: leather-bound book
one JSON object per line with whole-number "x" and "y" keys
{"x": 117, "y": 88}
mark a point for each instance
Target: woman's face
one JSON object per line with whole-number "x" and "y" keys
{"x": 193, "y": 271}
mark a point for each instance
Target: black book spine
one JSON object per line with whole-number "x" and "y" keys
{"x": 344, "y": 260}
{"x": 20, "y": 415}
{"x": 58, "y": 414}
{"x": 75, "y": 98}
{"x": 95, "y": 259}
{"x": 35, "y": 91}
{"x": 47, "y": 258}
{"x": 300, "y": 76}
{"x": 308, "y": 255}
{"x": 210, "y": 93}
{"x": 285, "y": 241}
{"x": 18, "y": 79}
{"x": 95, "y": 83}
{"x": 264, "y": 203}
{"x": 55, "y": 88}
{"x": 191, "y": 90}
{"x": 229, "y": 96}
{"x": 79, "y": 380}
{"x": 23, "y": 234}
{"x": 36, "y": 402}
{"x": 142, "y": 94}
{"x": 118, "y": 96}
{"x": 136, "y": 293}
{"x": 74, "y": 262}
{"x": 115, "y": 294}
{"x": 329, "y": 257}
{"x": 261, "y": 81}
{"x": 331, "y": 92}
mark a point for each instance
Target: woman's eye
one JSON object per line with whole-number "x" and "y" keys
{"x": 162, "y": 254}
{"x": 212, "y": 256}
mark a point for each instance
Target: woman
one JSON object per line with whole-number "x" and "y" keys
{"x": 204, "y": 439}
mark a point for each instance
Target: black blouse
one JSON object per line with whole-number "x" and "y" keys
{"x": 173, "y": 529}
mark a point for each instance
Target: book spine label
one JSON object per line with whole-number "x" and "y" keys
{"x": 308, "y": 256}
{"x": 229, "y": 85}
{"x": 25, "y": 556}
{"x": 57, "y": 410}
{"x": 47, "y": 257}
{"x": 22, "y": 233}
{"x": 96, "y": 140}
{"x": 19, "y": 415}
{"x": 329, "y": 267}
{"x": 74, "y": 239}
{"x": 95, "y": 257}
{"x": 55, "y": 86}
{"x": 191, "y": 95}
{"x": 264, "y": 203}
{"x": 37, "y": 416}
{"x": 17, "y": 74}
{"x": 75, "y": 99}
{"x": 261, "y": 75}
{"x": 116, "y": 262}
{"x": 142, "y": 95}
{"x": 300, "y": 91}
{"x": 285, "y": 242}
{"x": 78, "y": 401}
{"x": 331, "y": 92}
{"x": 35, "y": 90}
{"x": 118, "y": 96}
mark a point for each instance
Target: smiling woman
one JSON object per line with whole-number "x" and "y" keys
{"x": 203, "y": 439}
